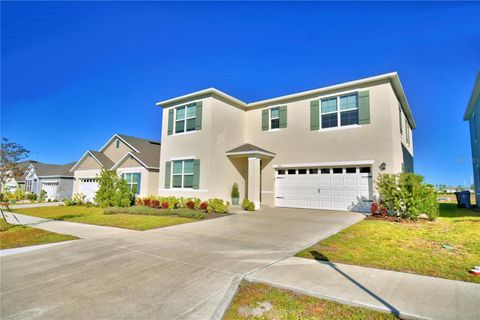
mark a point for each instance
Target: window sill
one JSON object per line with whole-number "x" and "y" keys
{"x": 274, "y": 130}
{"x": 183, "y": 133}
{"x": 183, "y": 190}
{"x": 341, "y": 128}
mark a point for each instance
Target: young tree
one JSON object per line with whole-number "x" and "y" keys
{"x": 112, "y": 190}
{"x": 10, "y": 154}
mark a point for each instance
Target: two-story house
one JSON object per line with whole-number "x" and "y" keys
{"x": 472, "y": 115}
{"x": 318, "y": 149}
{"x": 135, "y": 159}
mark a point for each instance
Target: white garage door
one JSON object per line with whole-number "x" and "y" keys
{"x": 51, "y": 189}
{"x": 89, "y": 188}
{"x": 345, "y": 188}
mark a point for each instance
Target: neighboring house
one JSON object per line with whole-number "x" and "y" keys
{"x": 472, "y": 115}
{"x": 55, "y": 179}
{"x": 135, "y": 159}
{"x": 14, "y": 183}
{"x": 315, "y": 149}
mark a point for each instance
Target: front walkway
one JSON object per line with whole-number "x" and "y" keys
{"x": 80, "y": 230}
{"x": 404, "y": 294}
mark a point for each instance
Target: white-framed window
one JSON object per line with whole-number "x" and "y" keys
{"x": 473, "y": 124}
{"x": 339, "y": 111}
{"x": 185, "y": 118}
{"x": 133, "y": 181}
{"x": 28, "y": 186}
{"x": 182, "y": 174}
{"x": 274, "y": 114}
{"x": 407, "y": 131}
{"x": 400, "y": 118}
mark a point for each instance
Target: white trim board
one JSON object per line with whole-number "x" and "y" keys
{"x": 242, "y": 153}
{"x": 324, "y": 164}
{"x": 181, "y": 190}
{"x": 120, "y": 138}
{"x": 119, "y": 162}
{"x": 82, "y": 158}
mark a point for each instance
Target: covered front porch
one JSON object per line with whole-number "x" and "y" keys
{"x": 256, "y": 159}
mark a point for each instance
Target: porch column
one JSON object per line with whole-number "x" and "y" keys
{"x": 254, "y": 181}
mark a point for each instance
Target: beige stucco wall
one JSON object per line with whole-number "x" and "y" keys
{"x": 298, "y": 144}
{"x": 148, "y": 179}
{"x": 226, "y": 126}
{"x": 223, "y": 128}
{"x": 88, "y": 163}
{"x": 115, "y": 153}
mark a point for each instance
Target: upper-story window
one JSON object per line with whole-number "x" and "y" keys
{"x": 275, "y": 118}
{"x": 407, "y": 131}
{"x": 339, "y": 111}
{"x": 185, "y": 118}
{"x": 117, "y": 144}
{"x": 400, "y": 118}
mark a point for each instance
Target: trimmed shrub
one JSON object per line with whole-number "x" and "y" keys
{"x": 407, "y": 195}
{"x": 188, "y": 213}
{"x": 218, "y": 205}
{"x": 248, "y": 205}
{"x": 204, "y": 206}
{"x": 143, "y": 210}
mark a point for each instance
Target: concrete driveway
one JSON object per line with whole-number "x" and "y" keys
{"x": 188, "y": 271}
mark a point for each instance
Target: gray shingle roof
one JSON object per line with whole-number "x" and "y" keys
{"x": 45, "y": 169}
{"x": 149, "y": 150}
{"x": 23, "y": 165}
{"x": 104, "y": 160}
{"x": 247, "y": 147}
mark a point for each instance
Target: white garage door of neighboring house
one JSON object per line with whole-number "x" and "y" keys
{"x": 345, "y": 188}
{"x": 51, "y": 188}
{"x": 88, "y": 187}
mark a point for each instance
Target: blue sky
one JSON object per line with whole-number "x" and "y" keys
{"x": 75, "y": 73}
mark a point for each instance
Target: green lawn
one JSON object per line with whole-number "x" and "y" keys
{"x": 409, "y": 247}
{"x": 94, "y": 215}
{"x": 21, "y": 236}
{"x": 284, "y": 304}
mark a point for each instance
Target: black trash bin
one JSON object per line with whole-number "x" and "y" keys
{"x": 463, "y": 199}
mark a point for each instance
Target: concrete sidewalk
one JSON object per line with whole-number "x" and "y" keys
{"x": 81, "y": 230}
{"x": 35, "y": 205}
{"x": 406, "y": 295}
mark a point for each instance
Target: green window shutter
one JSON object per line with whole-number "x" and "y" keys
{"x": 170, "y": 121}
{"x": 196, "y": 174}
{"x": 265, "y": 125}
{"x": 283, "y": 116}
{"x": 168, "y": 169}
{"x": 139, "y": 182}
{"x": 363, "y": 107}
{"x": 198, "y": 122}
{"x": 314, "y": 115}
